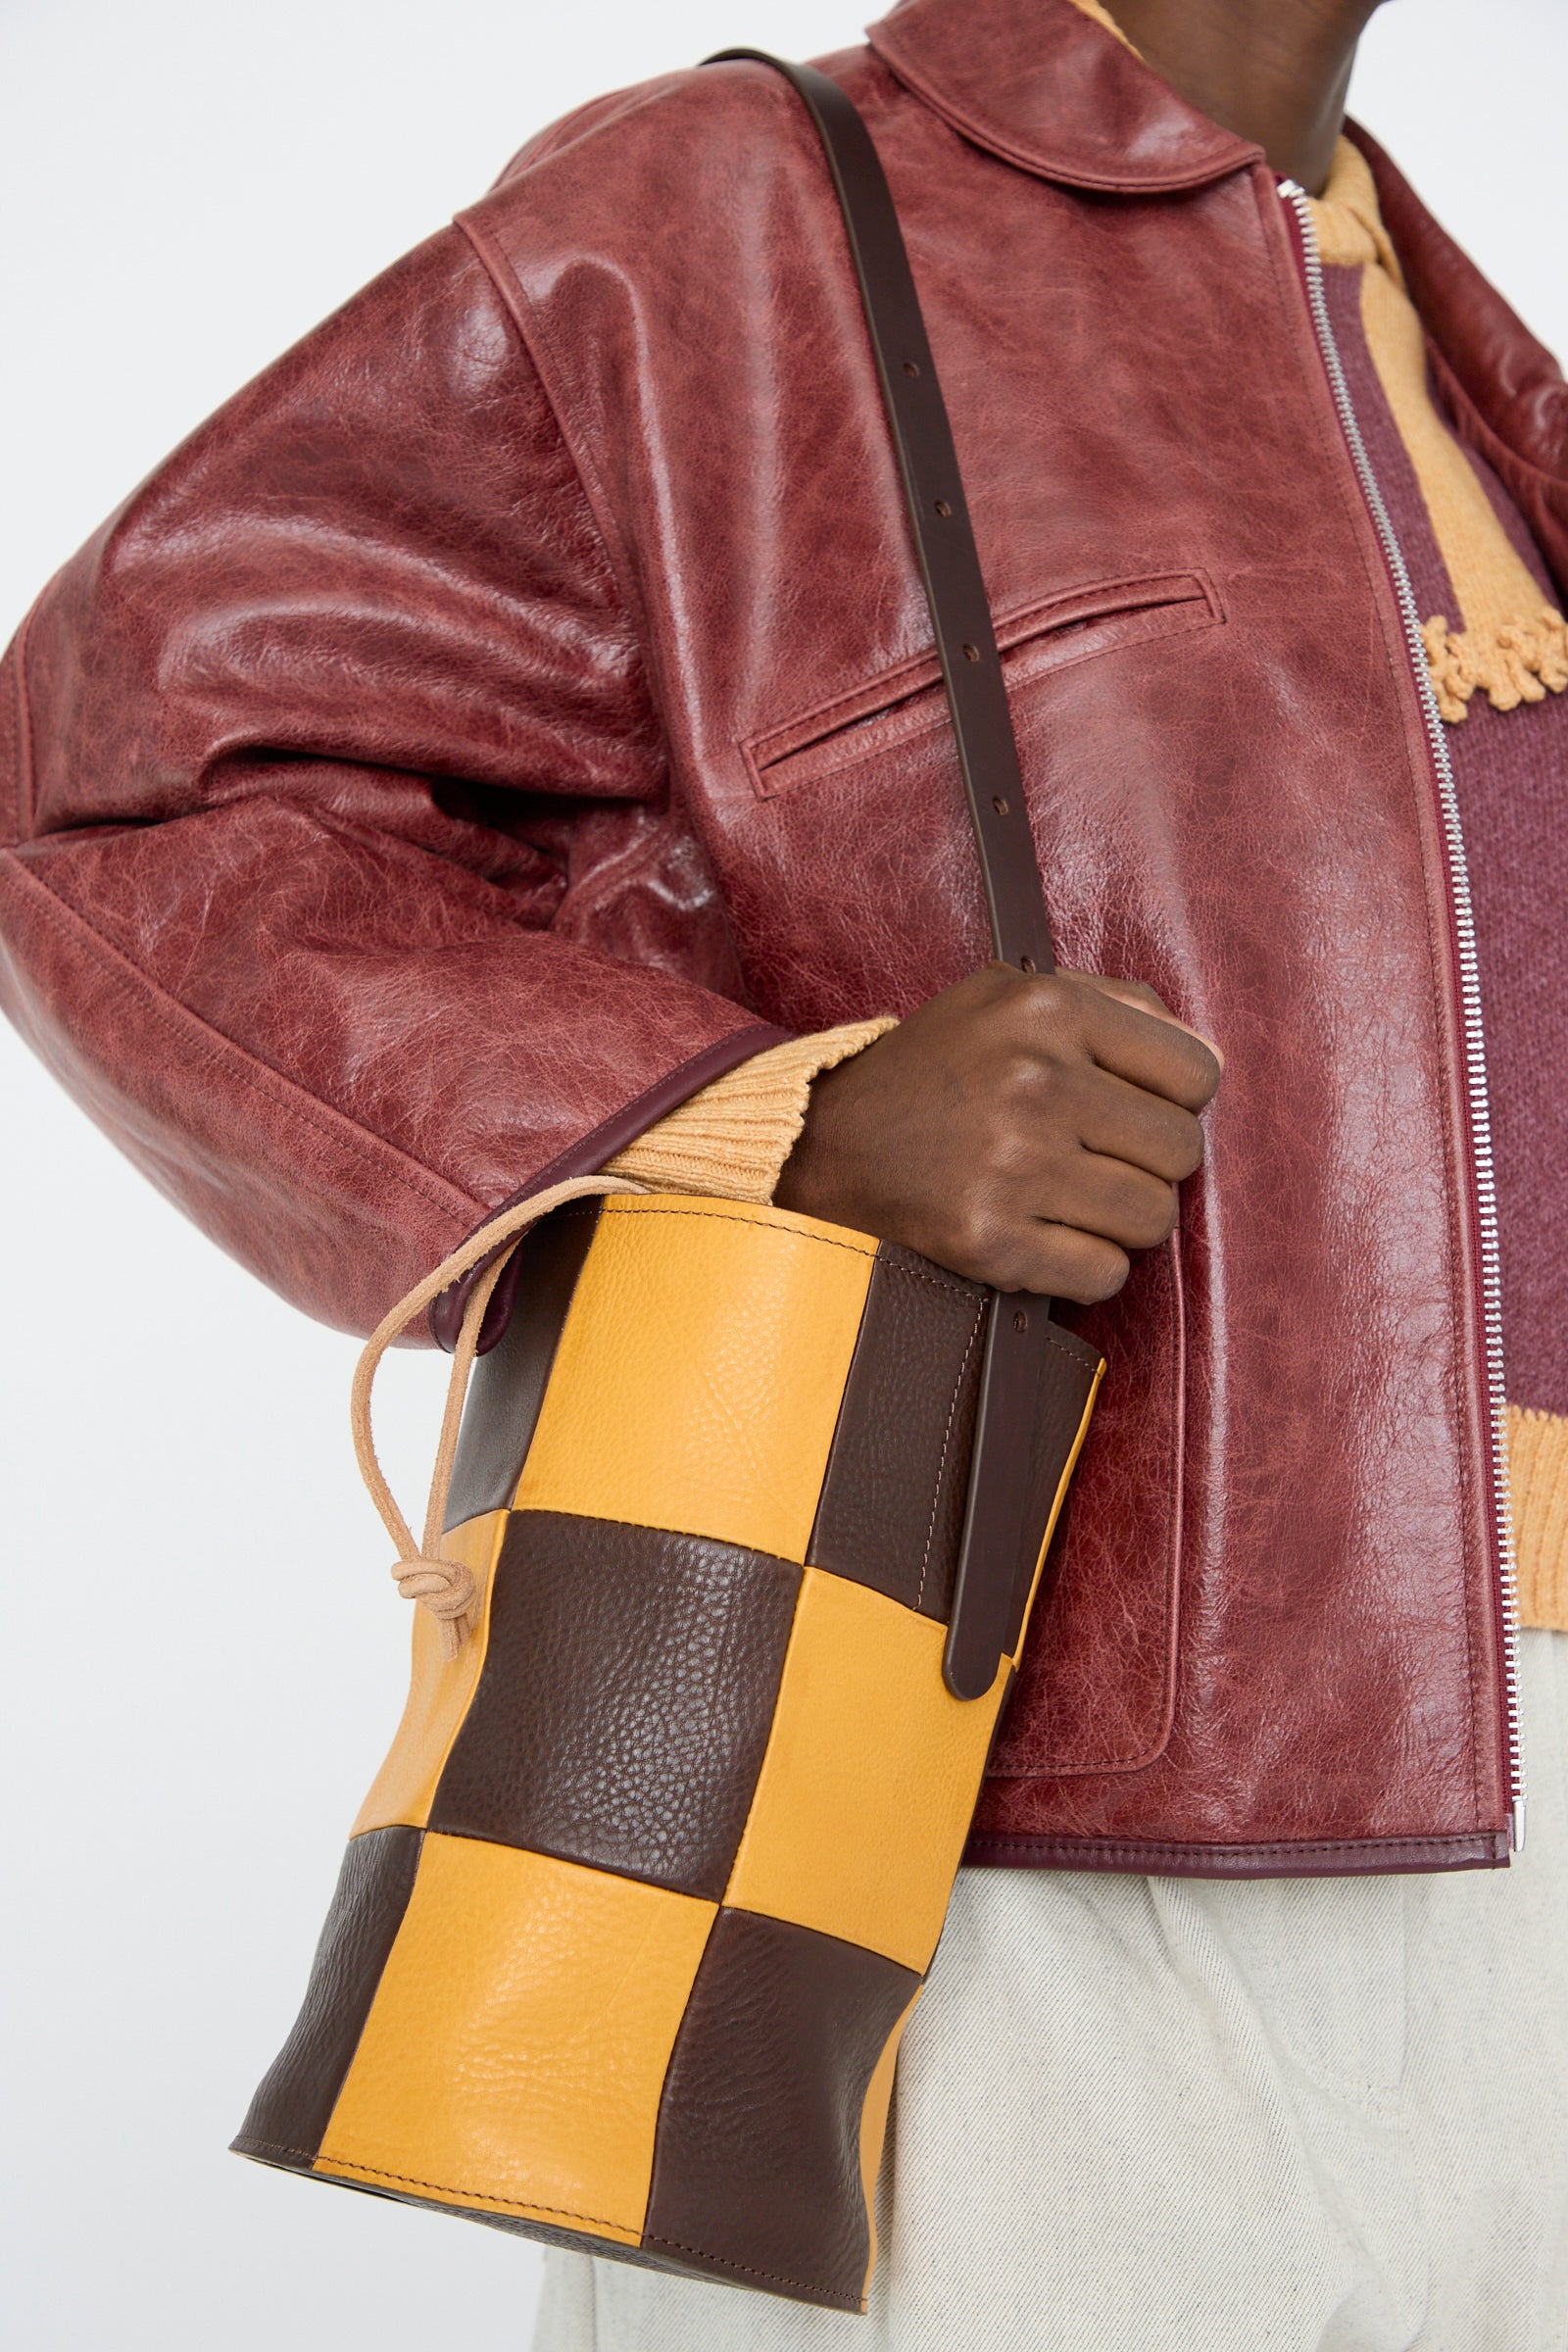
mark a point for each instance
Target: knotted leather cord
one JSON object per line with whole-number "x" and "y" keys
{"x": 446, "y": 1587}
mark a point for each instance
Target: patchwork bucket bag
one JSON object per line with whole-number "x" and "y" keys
{"x": 731, "y": 1550}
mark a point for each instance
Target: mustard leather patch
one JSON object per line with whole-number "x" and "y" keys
{"x": 867, "y": 1786}
{"x": 698, "y": 1380}
{"x": 516, "y": 2050}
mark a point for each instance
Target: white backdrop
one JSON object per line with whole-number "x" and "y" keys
{"x": 205, "y": 1653}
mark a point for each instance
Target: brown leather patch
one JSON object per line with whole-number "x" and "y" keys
{"x": 891, "y": 1510}
{"x": 290, "y": 2112}
{"x": 756, "y": 2163}
{"x": 626, "y": 1699}
{"x": 508, "y": 1384}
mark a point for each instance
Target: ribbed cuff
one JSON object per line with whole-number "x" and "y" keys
{"x": 1537, "y": 1476}
{"x": 732, "y": 1139}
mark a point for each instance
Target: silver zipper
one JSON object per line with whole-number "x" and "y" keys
{"x": 1296, "y": 196}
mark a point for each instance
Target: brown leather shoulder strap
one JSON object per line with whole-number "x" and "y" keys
{"x": 939, "y": 516}
{"x": 1032, "y": 1370}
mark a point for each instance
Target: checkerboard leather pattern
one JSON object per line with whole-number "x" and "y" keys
{"x": 633, "y": 1919}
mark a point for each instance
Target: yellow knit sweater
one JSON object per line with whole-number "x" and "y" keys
{"x": 1513, "y": 648}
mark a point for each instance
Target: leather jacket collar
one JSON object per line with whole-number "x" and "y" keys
{"x": 1040, "y": 83}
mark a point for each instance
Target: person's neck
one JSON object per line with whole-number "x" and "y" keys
{"x": 1273, "y": 70}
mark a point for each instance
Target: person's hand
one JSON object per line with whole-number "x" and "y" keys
{"x": 1025, "y": 1132}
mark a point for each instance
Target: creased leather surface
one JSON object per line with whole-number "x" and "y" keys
{"x": 1244, "y": 816}
{"x": 1097, "y": 1682}
{"x": 387, "y": 825}
{"x": 350, "y": 887}
{"x": 1021, "y": 81}
{"x": 626, "y": 1699}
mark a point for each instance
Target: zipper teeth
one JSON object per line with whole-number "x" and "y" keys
{"x": 1469, "y": 989}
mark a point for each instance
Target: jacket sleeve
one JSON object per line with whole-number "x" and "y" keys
{"x": 309, "y": 759}
{"x": 732, "y": 1139}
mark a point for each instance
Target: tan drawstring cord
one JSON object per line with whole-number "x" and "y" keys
{"x": 446, "y": 1587}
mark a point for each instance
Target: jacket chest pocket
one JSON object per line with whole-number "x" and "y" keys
{"x": 887, "y": 717}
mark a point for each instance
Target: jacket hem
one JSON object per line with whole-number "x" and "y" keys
{"x": 1286, "y": 1858}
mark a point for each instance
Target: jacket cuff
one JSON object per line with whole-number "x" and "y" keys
{"x": 732, "y": 1139}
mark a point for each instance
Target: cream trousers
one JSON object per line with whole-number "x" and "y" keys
{"x": 1166, "y": 2115}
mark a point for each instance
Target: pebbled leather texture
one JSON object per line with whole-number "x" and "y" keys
{"x": 700, "y": 1373}
{"x": 293, "y": 2106}
{"x": 867, "y": 1789}
{"x": 385, "y": 823}
{"x": 626, "y": 1699}
{"x": 515, "y": 2049}
{"x": 763, "y": 2102}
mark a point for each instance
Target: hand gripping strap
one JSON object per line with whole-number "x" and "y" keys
{"x": 1019, "y": 1349}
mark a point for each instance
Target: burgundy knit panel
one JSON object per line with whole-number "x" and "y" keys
{"x": 1511, "y": 772}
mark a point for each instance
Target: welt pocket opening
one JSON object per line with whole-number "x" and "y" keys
{"x": 1035, "y": 641}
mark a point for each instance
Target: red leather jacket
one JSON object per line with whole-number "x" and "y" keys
{"x": 517, "y": 706}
